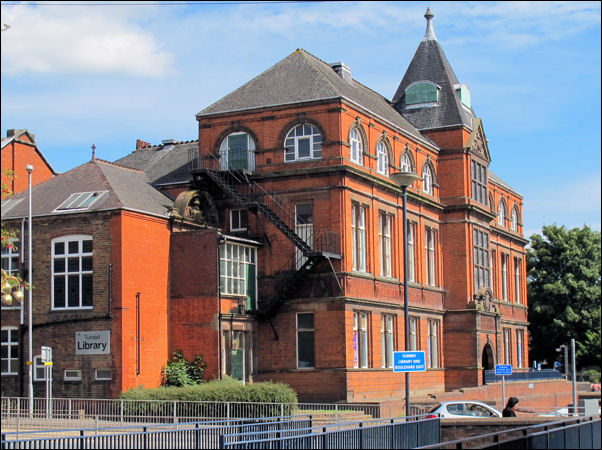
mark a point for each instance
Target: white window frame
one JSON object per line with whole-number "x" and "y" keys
{"x": 517, "y": 286}
{"x": 238, "y": 213}
{"x": 306, "y": 330}
{"x": 433, "y": 343}
{"x": 9, "y": 255}
{"x": 501, "y": 213}
{"x": 382, "y": 158}
{"x": 97, "y": 377}
{"x": 361, "y": 338}
{"x": 519, "y": 348}
{"x": 12, "y": 350}
{"x": 508, "y": 346}
{"x": 427, "y": 179}
{"x": 431, "y": 257}
{"x": 356, "y": 146}
{"x": 505, "y": 276}
{"x": 66, "y": 274}
{"x": 414, "y": 337}
{"x": 387, "y": 331}
{"x": 80, "y": 200}
{"x": 224, "y": 151}
{"x": 76, "y": 375}
{"x": 234, "y": 258}
{"x": 291, "y": 142}
{"x": 358, "y": 237}
{"x": 514, "y": 219}
{"x": 384, "y": 236}
{"x": 405, "y": 163}
{"x": 38, "y": 365}
{"x": 411, "y": 252}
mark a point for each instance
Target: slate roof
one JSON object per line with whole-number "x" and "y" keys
{"x": 430, "y": 63}
{"x": 163, "y": 164}
{"x": 497, "y": 180}
{"x": 126, "y": 189}
{"x": 301, "y": 77}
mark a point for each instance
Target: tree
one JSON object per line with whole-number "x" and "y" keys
{"x": 563, "y": 269}
{"x": 180, "y": 372}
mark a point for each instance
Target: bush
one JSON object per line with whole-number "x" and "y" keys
{"x": 180, "y": 372}
{"x": 594, "y": 376}
{"x": 267, "y": 396}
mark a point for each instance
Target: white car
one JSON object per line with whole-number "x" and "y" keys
{"x": 462, "y": 409}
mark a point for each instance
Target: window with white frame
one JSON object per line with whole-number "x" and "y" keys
{"x": 358, "y": 237}
{"x": 10, "y": 350}
{"x": 411, "y": 252}
{"x": 39, "y": 369}
{"x": 238, "y": 220}
{"x": 519, "y": 348}
{"x": 303, "y": 142}
{"x": 480, "y": 246}
{"x": 387, "y": 337}
{"x": 360, "y": 339}
{"x": 427, "y": 179}
{"x": 382, "y": 158}
{"x": 384, "y": 236}
{"x": 504, "y": 277}
{"x": 10, "y": 258}
{"x": 405, "y": 164}
{"x": 305, "y": 341}
{"x": 414, "y": 341}
{"x": 72, "y": 375}
{"x": 433, "y": 344}
{"x": 517, "y": 283}
{"x": 356, "y": 144}
{"x": 507, "y": 346}
{"x": 514, "y": 219}
{"x": 479, "y": 182}
{"x": 238, "y": 269}
{"x": 80, "y": 200}
{"x": 72, "y": 272}
{"x": 501, "y": 213}
{"x": 237, "y": 151}
{"x": 102, "y": 374}
{"x": 429, "y": 244}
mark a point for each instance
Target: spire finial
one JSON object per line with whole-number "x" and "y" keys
{"x": 93, "y": 152}
{"x": 430, "y": 32}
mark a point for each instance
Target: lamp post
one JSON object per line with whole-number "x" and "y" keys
{"x": 29, "y": 169}
{"x": 405, "y": 179}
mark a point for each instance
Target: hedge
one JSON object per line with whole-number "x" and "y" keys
{"x": 218, "y": 392}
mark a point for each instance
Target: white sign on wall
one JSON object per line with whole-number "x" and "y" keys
{"x": 93, "y": 342}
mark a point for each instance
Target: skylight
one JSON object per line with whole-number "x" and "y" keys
{"x": 80, "y": 200}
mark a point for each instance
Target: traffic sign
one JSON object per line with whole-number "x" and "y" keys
{"x": 409, "y": 361}
{"x": 503, "y": 369}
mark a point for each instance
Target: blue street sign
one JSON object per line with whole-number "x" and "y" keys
{"x": 503, "y": 369}
{"x": 409, "y": 362}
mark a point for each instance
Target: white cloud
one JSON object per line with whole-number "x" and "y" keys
{"x": 79, "y": 40}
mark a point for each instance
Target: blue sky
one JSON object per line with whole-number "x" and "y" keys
{"x": 110, "y": 73}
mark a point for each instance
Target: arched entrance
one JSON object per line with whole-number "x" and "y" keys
{"x": 487, "y": 359}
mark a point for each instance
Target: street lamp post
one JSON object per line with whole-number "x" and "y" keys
{"x": 29, "y": 169}
{"x": 405, "y": 179}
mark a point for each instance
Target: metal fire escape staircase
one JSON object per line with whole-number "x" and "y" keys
{"x": 249, "y": 195}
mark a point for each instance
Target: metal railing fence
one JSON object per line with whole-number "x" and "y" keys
{"x": 524, "y": 375}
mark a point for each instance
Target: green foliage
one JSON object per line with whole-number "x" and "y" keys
{"x": 180, "y": 372}
{"x": 217, "y": 392}
{"x": 564, "y": 292}
{"x": 593, "y": 376}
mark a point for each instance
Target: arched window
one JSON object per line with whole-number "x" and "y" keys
{"x": 514, "y": 219}
{"x": 303, "y": 142}
{"x": 501, "y": 213}
{"x": 491, "y": 207}
{"x": 427, "y": 179}
{"x": 356, "y": 145}
{"x": 422, "y": 92}
{"x": 382, "y": 157}
{"x": 405, "y": 163}
{"x": 237, "y": 151}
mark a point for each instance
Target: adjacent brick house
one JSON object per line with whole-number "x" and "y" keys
{"x": 19, "y": 148}
{"x": 273, "y": 245}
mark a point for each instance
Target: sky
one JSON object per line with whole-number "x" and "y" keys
{"x": 78, "y": 74}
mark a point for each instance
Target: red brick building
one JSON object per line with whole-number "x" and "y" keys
{"x": 282, "y": 255}
{"x": 19, "y": 148}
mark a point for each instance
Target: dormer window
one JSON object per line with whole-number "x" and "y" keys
{"x": 464, "y": 95}
{"x": 422, "y": 93}
{"x": 80, "y": 200}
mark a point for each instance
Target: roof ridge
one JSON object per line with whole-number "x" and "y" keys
{"x": 110, "y": 163}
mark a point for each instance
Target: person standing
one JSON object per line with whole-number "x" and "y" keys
{"x": 509, "y": 409}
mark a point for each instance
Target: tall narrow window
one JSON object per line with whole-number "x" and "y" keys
{"x": 501, "y": 213}
{"x": 358, "y": 237}
{"x": 479, "y": 182}
{"x": 360, "y": 339}
{"x": 72, "y": 272}
{"x": 517, "y": 283}
{"x": 514, "y": 219}
{"x": 494, "y": 276}
{"x": 356, "y": 145}
{"x": 304, "y": 227}
{"x": 305, "y": 341}
{"x": 384, "y": 236}
{"x": 10, "y": 258}
{"x": 238, "y": 220}
{"x": 414, "y": 333}
{"x": 504, "y": 277}
{"x": 519, "y": 348}
{"x": 433, "y": 344}
{"x": 382, "y": 158}
{"x": 427, "y": 179}
{"x": 238, "y": 274}
{"x": 480, "y": 245}
{"x": 411, "y": 252}
{"x": 10, "y": 350}
{"x": 387, "y": 339}
{"x": 507, "y": 346}
{"x": 405, "y": 162}
{"x": 430, "y": 257}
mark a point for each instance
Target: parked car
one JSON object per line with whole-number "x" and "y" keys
{"x": 462, "y": 409}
